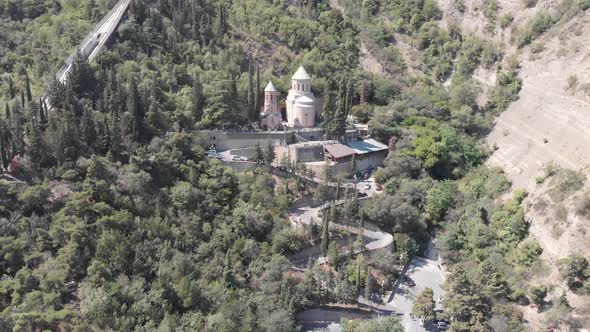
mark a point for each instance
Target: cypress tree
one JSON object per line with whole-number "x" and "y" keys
{"x": 42, "y": 115}
{"x": 258, "y": 153}
{"x": 89, "y": 135}
{"x": 325, "y": 234}
{"x": 339, "y": 121}
{"x": 349, "y": 96}
{"x": 251, "y": 104}
{"x": 90, "y": 9}
{"x": 204, "y": 29}
{"x": 357, "y": 276}
{"x": 309, "y": 278}
{"x": 18, "y": 123}
{"x": 334, "y": 216}
{"x": 368, "y": 285}
{"x": 10, "y": 87}
{"x": 4, "y": 143}
{"x": 116, "y": 138}
{"x": 198, "y": 99}
{"x": 106, "y": 136}
{"x": 7, "y": 111}
{"x": 22, "y": 98}
{"x": 28, "y": 87}
{"x": 327, "y": 111}
{"x": 228, "y": 273}
{"x": 35, "y": 148}
{"x": 220, "y": 23}
{"x": 269, "y": 154}
{"x": 136, "y": 111}
{"x": 257, "y": 92}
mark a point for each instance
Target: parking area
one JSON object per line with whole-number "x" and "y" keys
{"x": 425, "y": 273}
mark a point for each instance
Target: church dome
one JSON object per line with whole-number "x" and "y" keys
{"x": 270, "y": 87}
{"x": 301, "y": 74}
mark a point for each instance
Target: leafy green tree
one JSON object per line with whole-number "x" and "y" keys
{"x": 439, "y": 199}
{"x": 423, "y": 307}
{"x": 465, "y": 302}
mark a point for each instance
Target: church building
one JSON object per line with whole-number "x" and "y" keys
{"x": 300, "y": 104}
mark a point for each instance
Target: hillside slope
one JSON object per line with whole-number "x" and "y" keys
{"x": 548, "y": 124}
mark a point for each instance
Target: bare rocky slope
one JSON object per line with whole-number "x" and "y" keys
{"x": 548, "y": 124}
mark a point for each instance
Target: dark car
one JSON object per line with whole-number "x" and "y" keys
{"x": 408, "y": 281}
{"x": 361, "y": 195}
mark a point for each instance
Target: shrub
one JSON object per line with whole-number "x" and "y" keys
{"x": 460, "y": 5}
{"x": 575, "y": 270}
{"x": 534, "y": 28}
{"x": 530, "y": 3}
{"x": 537, "y": 48}
{"x": 537, "y": 294}
{"x": 572, "y": 83}
{"x": 394, "y": 59}
{"x": 506, "y": 20}
{"x": 584, "y": 4}
{"x": 583, "y": 205}
{"x": 528, "y": 252}
{"x": 565, "y": 184}
{"x": 490, "y": 10}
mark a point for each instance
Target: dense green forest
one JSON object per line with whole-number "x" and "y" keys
{"x": 122, "y": 223}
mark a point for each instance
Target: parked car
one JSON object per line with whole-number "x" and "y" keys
{"x": 378, "y": 187}
{"x": 441, "y": 326}
{"x": 361, "y": 195}
{"x": 408, "y": 281}
{"x": 367, "y": 186}
{"x": 239, "y": 158}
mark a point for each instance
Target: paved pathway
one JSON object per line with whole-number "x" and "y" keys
{"x": 308, "y": 215}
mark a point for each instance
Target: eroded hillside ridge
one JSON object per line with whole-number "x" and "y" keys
{"x": 546, "y": 126}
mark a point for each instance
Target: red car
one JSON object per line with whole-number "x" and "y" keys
{"x": 378, "y": 187}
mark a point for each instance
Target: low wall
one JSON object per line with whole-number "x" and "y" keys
{"x": 245, "y": 152}
{"x": 240, "y": 166}
{"x": 227, "y": 140}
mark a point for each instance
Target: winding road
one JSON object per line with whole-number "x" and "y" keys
{"x": 309, "y": 215}
{"x": 426, "y": 272}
